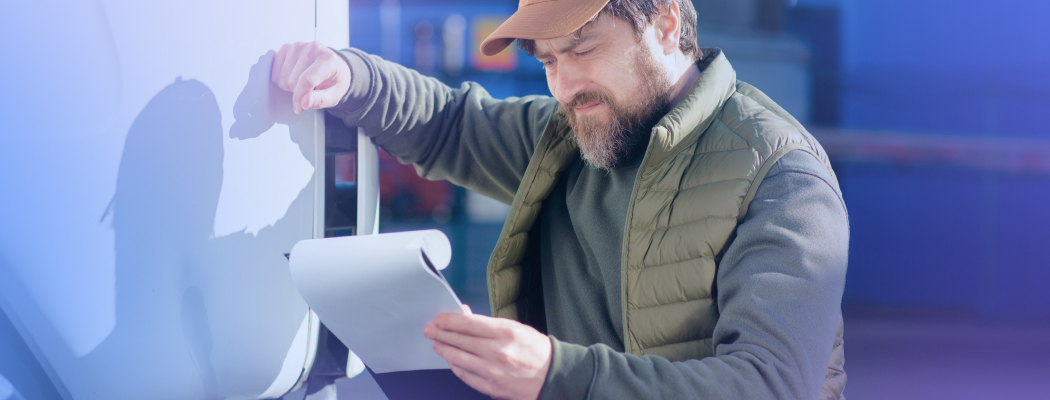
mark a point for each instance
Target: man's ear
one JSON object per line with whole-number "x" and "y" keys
{"x": 668, "y": 26}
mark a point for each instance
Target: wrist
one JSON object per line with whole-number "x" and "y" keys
{"x": 569, "y": 373}
{"x": 359, "y": 89}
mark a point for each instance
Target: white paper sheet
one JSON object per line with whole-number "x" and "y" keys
{"x": 376, "y": 292}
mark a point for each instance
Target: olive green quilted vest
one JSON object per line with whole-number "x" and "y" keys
{"x": 704, "y": 163}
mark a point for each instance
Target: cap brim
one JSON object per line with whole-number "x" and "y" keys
{"x": 545, "y": 20}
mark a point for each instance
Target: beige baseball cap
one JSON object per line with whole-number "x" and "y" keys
{"x": 542, "y": 19}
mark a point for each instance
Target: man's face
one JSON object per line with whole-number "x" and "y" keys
{"x": 609, "y": 87}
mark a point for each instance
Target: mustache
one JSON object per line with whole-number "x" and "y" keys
{"x": 592, "y": 96}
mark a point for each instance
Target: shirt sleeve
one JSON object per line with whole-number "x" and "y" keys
{"x": 460, "y": 135}
{"x": 779, "y": 291}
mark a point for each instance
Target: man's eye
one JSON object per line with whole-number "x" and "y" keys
{"x": 583, "y": 53}
{"x": 548, "y": 63}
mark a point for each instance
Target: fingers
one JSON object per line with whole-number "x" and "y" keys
{"x": 473, "y": 380}
{"x": 473, "y": 325}
{"x": 468, "y": 367}
{"x": 467, "y": 309}
{"x": 305, "y": 97}
{"x": 283, "y": 62}
{"x": 470, "y": 344}
{"x": 459, "y": 357}
{"x": 316, "y": 76}
{"x": 295, "y": 53}
{"x": 513, "y": 364}
{"x": 299, "y": 64}
{"x": 328, "y": 87}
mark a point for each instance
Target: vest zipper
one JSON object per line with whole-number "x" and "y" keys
{"x": 626, "y": 242}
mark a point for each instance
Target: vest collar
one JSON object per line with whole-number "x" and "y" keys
{"x": 690, "y": 118}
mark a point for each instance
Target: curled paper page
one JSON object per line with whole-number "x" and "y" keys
{"x": 376, "y": 292}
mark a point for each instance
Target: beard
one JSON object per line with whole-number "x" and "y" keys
{"x": 610, "y": 144}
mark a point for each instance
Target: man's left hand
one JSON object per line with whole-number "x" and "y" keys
{"x": 498, "y": 357}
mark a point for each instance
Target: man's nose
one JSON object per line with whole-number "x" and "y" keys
{"x": 568, "y": 81}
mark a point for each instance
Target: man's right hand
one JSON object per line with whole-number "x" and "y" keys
{"x": 316, "y": 76}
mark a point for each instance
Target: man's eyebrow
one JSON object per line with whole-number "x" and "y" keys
{"x": 576, "y": 41}
{"x": 541, "y": 54}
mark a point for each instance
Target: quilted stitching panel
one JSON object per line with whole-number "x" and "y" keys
{"x": 703, "y": 238}
{"x": 672, "y": 323}
{"x": 509, "y": 279}
{"x": 689, "y": 280}
{"x": 721, "y": 166}
{"x": 711, "y": 194}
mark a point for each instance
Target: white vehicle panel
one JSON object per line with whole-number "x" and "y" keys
{"x": 153, "y": 179}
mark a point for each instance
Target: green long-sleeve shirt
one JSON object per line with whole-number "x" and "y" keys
{"x": 778, "y": 286}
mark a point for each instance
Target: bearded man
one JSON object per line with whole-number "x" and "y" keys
{"x": 673, "y": 233}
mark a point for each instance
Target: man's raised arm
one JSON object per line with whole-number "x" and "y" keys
{"x": 447, "y": 133}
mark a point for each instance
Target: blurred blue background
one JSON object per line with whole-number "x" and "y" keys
{"x": 936, "y": 115}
